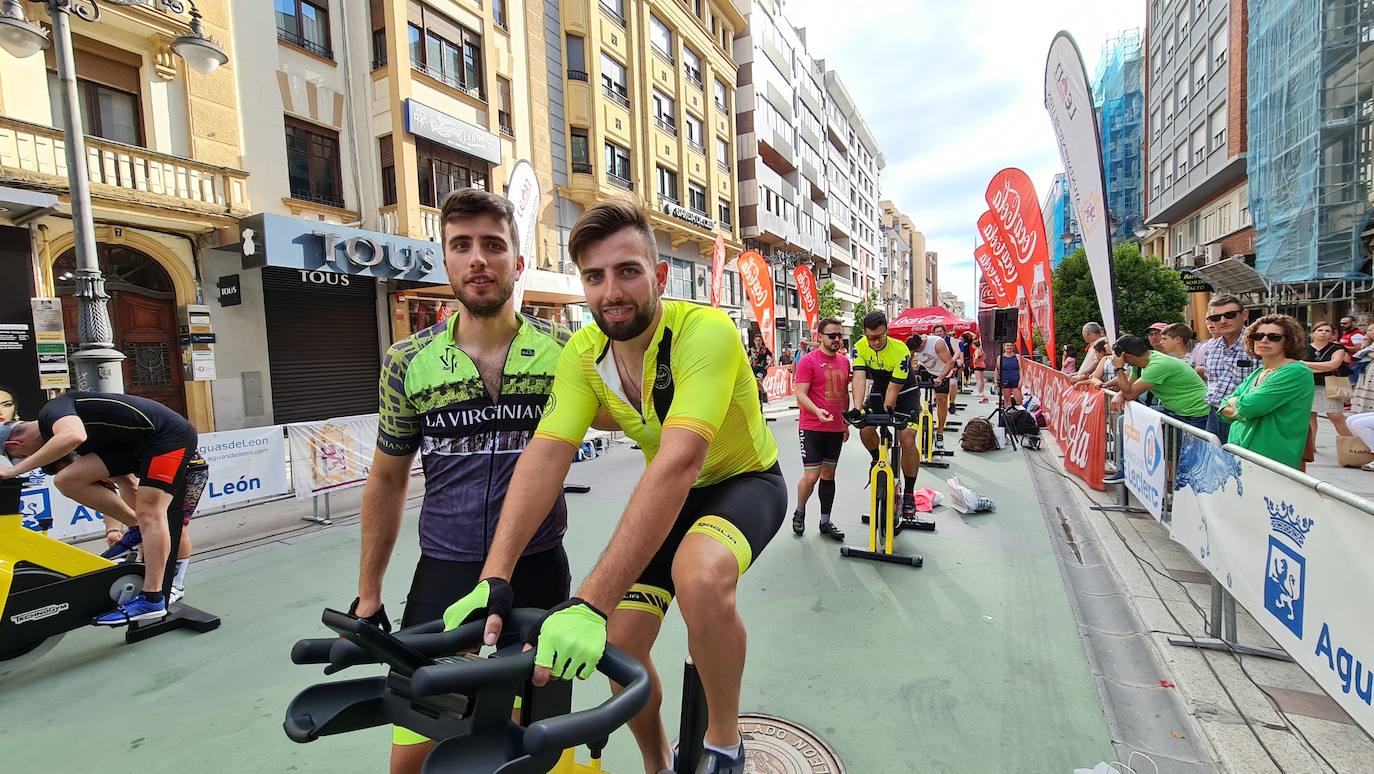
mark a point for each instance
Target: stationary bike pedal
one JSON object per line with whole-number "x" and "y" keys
{"x": 919, "y": 525}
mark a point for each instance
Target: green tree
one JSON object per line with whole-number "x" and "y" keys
{"x": 866, "y": 304}
{"x": 827, "y": 304}
{"x": 1147, "y": 292}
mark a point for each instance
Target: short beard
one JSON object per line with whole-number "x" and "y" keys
{"x": 643, "y": 318}
{"x": 487, "y": 307}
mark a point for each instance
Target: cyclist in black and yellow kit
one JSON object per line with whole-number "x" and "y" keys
{"x": 883, "y": 382}
{"x": 676, "y": 379}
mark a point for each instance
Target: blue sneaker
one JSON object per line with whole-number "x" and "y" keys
{"x": 132, "y": 539}
{"x": 1117, "y": 477}
{"x": 136, "y": 609}
{"x": 713, "y": 762}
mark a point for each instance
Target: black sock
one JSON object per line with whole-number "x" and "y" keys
{"x": 909, "y": 485}
{"x": 801, "y": 510}
{"x": 153, "y": 596}
{"x": 827, "y": 492}
{"x": 874, "y": 454}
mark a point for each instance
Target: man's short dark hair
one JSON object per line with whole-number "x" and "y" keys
{"x": 874, "y": 320}
{"x": 1134, "y": 346}
{"x": 466, "y": 203}
{"x": 604, "y": 220}
{"x": 821, "y": 326}
{"x": 1225, "y": 299}
{"x": 1179, "y": 331}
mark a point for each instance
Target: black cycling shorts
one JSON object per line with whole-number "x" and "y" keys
{"x": 742, "y": 512}
{"x": 907, "y": 402}
{"x": 160, "y": 463}
{"x": 540, "y": 580}
{"x": 821, "y": 447}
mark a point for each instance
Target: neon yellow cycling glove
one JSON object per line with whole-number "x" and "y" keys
{"x": 491, "y": 596}
{"x": 572, "y": 639}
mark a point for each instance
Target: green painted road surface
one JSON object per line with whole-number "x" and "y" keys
{"x": 972, "y": 663}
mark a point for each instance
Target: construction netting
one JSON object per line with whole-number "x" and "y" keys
{"x": 1119, "y": 96}
{"x": 1311, "y": 146}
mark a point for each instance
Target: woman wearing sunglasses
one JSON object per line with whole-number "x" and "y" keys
{"x": 1268, "y": 412}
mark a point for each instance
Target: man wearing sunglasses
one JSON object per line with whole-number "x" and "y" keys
{"x": 823, "y": 396}
{"x": 1225, "y": 363}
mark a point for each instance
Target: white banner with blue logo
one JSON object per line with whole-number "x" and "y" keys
{"x": 1295, "y": 560}
{"x": 1142, "y": 434}
{"x": 41, "y": 502}
{"x": 244, "y": 465}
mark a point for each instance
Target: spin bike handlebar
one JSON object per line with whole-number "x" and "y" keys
{"x": 892, "y": 419}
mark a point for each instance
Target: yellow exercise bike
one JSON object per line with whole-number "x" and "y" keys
{"x": 883, "y": 522}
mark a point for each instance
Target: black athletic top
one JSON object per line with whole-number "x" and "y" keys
{"x": 118, "y": 422}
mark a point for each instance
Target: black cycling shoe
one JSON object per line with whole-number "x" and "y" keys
{"x": 798, "y": 522}
{"x": 830, "y": 530}
{"x": 713, "y": 762}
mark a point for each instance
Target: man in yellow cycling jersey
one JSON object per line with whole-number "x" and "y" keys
{"x": 676, "y": 379}
{"x": 883, "y": 382}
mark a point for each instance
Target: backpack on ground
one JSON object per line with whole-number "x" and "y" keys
{"x": 1018, "y": 421}
{"x": 978, "y": 436}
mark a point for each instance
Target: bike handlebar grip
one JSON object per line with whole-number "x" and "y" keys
{"x": 313, "y": 651}
{"x": 588, "y": 725}
{"x": 464, "y": 676}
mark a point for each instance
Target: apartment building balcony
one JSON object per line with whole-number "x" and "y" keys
{"x": 431, "y": 224}
{"x": 35, "y": 156}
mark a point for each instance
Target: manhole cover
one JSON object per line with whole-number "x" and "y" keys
{"x": 777, "y": 746}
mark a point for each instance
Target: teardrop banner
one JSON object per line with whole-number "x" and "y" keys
{"x": 807, "y": 295}
{"x": 758, "y": 283}
{"x": 999, "y": 247}
{"x": 986, "y": 299}
{"x": 717, "y": 269}
{"x": 992, "y": 277}
{"x": 1011, "y": 197}
{"x": 523, "y": 193}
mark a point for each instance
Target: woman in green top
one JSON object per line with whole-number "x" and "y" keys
{"x": 1269, "y": 410}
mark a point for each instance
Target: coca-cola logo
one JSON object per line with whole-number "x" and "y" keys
{"x": 778, "y": 382}
{"x": 751, "y": 273}
{"x": 997, "y": 246}
{"x": 1006, "y": 203}
{"x": 1078, "y": 433}
{"x": 992, "y": 282}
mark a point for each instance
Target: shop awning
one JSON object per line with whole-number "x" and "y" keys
{"x": 18, "y": 203}
{"x": 1232, "y": 275}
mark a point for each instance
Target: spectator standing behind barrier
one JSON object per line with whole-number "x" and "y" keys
{"x": 1268, "y": 412}
{"x": 1326, "y": 357}
{"x": 980, "y": 364}
{"x": 1177, "y": 341}
{"x": 1224, "y": 359}
{"x": 1355, "y": 339}
{"x": 1009, "y": 375}
{"x": 1176, "y": 387}
{"x": 1070, "y": 359}
{"x": 1092, "y": 333}
{"x": 1155, "y": 333}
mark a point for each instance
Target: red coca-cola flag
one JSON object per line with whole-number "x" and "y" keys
{"x": 986, "y": 299}
{"x": 807, "y": 295}
{"x": 717, "y": 269}
{"x": 992, "y": 278}
{"x": 758, "y": 284}
{"x": 1016, "y": 210}
{"x": 1075, "y": 415}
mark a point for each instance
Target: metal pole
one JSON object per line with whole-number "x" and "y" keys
{"x": 786, "y": 305}
{"x": 98, "y": 363}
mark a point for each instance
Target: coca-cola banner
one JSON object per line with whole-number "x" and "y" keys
{"x": 1011, "y": 195}
{"x": 779, "y": 382}
{"x": 807, "y": 295}
{"x": 1069, "y": 102}
{"x": 1075, "y": 414}
{"x": 717, "y": 269}
{"x": 1004, "y": 267}
{"x": 986, "y": 299}
{"x": 993, "y": 285}
{"x": 758, "y": 284}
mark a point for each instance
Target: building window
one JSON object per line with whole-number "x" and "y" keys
{"x": 1199, "y": 146}
{"x": 1185, "y": 17}
{"x": 1169, "y": 107}
{"x": 581, "y": 152}
{"x": 691, "y": 65}
{"x": 696, "y": 198}
{"x": 106, "y": 112}
{"x": 1224, "y": 219}
{"x": 618, "y": 165}
{"x": 665, "y": 113}
{"x": 694, "y": 132}
{"x": 1181, "y": 154}
{"x": 378, "y": 34}
{"x": 1169, "y": 42}
{"x": 577, "y": 58}
{"x": 661, "y": 38}
{"x": 312, "y": 163}
{"x": 613, "y": 80}
{"x": 442, "y": 170}
{"x": 723, "y": 154}
{"x": 1218, "y": 126}
{"x": 722, "y": 96}
{"x": 614, "y": 8}
{"x": 498, "y": 14}
{"x": 503, "y": 109}
{"x": 679, "y": 277}
{"x": 1220, "y": 42}
{"x": 1155, "y": 178}
{"x": 305, "y": 24}
{"x": 723, "y": 214}
{"x": 1200, "y": 74}
{"x": 726, "y": 35}
{"x": 1182, "y": 90}
{"x": 696, "y": 9}
{"x": 667, "y": 184}
{"x": 1155, "y": 126}
{"x": 447, "y": 52}
{"x": 1168, "y": 166}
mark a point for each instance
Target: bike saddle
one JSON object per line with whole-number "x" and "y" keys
{"x": 462, "y": 701}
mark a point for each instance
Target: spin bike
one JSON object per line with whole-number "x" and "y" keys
{"x": 465, "y": 702}
{"x": 926, "y": 427}
{"x": 883, "y": 522}
{"x": 48, "y": 588}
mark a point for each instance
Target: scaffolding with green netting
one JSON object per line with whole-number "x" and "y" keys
{"x": 1311, "y": 137}
{"x": 1119, "y": 97}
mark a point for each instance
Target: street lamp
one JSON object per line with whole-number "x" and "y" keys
{"x": 97, "y": 361}
{"x": 788, "y": 260}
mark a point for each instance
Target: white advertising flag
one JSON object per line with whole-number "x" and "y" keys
{"x": 1068, "y": 98}
{"x": 523, "y": 193}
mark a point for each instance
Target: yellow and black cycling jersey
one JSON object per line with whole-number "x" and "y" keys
{"x": 696, "y": 377}
{"x": 884, "y": 366}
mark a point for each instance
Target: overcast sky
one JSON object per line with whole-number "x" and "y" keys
{"x": 953, "y": 93}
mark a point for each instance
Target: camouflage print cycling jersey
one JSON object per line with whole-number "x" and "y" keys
{"x": 432, "y": 399}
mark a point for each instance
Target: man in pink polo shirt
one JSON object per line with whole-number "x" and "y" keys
{"x": 822, "y": 384}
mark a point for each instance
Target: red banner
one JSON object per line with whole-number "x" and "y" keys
{"x": 758, "y": 284}
{"x": 1011, "y": 195}
{"x": 993, "y": 285}
{"x": 717, "y": 269}
{"x": 1075, "y": 414}
{"x": 986, "y": 298}
{"x": 779, "y": 382}
{"x": 999, "y": 249}
{"x": 807, "y": 295}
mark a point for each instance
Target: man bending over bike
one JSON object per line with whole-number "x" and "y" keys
{"x": 676, "y": 378}
{"x": 115, "y": 435}
{"x": 882, "y": 383}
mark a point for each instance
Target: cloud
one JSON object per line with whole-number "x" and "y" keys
{"x": 953, "y": 93}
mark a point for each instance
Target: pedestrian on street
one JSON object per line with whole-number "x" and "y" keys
{"x": 823, "y": 397}
{"x": 1225, "y": 360}
{"x": 1268, "y": 412}
{"x": 1326, "y": 357}
{"x": 1155, "y": 333}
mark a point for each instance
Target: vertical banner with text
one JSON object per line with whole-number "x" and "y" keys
{"x": 523, "y": 192}
{"x": 758, "y": 284}
{"x": 717, "y": 269}
{"x": 1011, "y": 197}
{"x": 807, "y": 295}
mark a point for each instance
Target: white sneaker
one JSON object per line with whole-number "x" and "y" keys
{"x": 1368, "y": 466}
{"x": 177, "y": 593}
